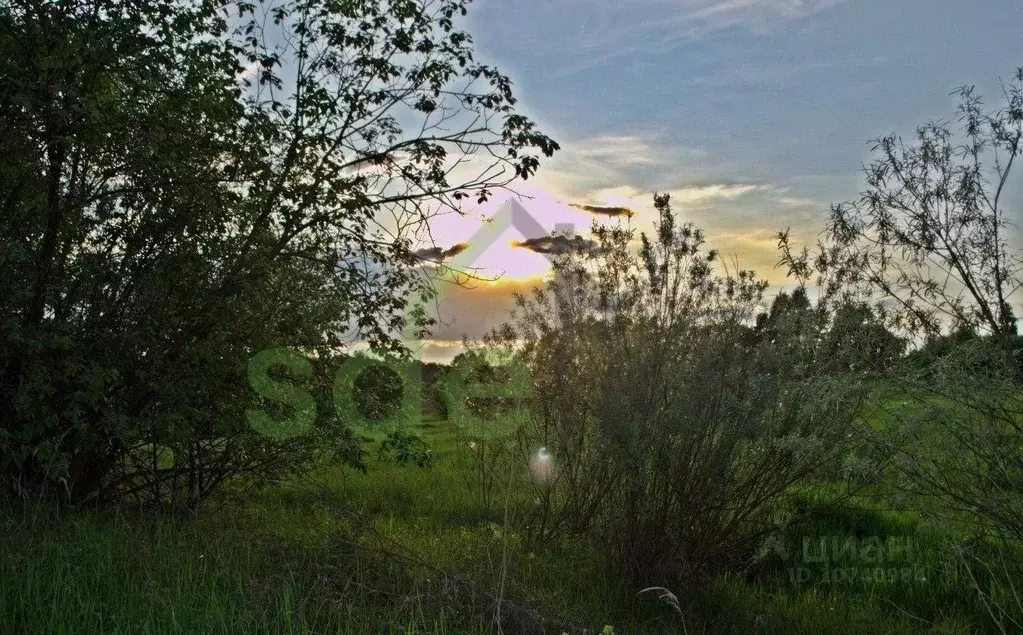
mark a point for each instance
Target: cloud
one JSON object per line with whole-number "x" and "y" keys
{"x": 628, "y": 200}
{"x": 704, "y": 194}
{"x": 713, "y": 15}
{"x": 557, "y": 245}
{"x": 604, "y": 161}
{"x": 603, "y": 211}
{"x": 621, "y": 28}
{"x": 439, "y": 254}
{"x": 801, "y": 201}
{"x": 618, "y": 150}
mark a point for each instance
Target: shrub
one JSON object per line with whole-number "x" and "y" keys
{"x": 673, "y": 428}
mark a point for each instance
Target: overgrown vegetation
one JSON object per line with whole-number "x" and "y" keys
{"x": 676, "y": 425}
{"x": 186, "y": 184}
{"x": 203, "y": 208}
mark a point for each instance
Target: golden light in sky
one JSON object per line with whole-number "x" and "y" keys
{"x": 503, "y": 257}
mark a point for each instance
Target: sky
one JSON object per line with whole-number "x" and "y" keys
{"x": 755, "y": 115}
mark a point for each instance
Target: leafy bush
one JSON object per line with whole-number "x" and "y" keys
{"x": 674, "y": 428}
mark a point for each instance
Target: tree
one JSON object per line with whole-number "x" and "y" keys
{"x": 858, "y": 341}
{"x": 929, "y": 243}
{"x": 184, "y": 185}
{"x": 929, "y": 236}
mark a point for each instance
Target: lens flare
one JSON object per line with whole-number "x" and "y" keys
{"x": 542, "y": 464}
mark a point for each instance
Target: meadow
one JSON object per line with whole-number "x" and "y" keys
{"x": 402, "y": 549}
{"x": 221, "y": 258}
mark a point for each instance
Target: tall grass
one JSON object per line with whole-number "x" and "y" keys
{"x": 285, "y": 561}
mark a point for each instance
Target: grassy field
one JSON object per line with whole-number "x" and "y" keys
{"x": 420, "y": 556}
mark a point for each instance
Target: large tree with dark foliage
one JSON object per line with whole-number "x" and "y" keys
{"x": 185, "y": 183}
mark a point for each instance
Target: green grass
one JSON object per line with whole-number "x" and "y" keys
{"x": 285, "y": 561}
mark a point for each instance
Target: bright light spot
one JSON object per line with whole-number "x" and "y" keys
{"x": 541, "y": 465}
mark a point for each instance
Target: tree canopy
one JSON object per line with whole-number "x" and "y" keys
{"x": 184, "y": 184}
